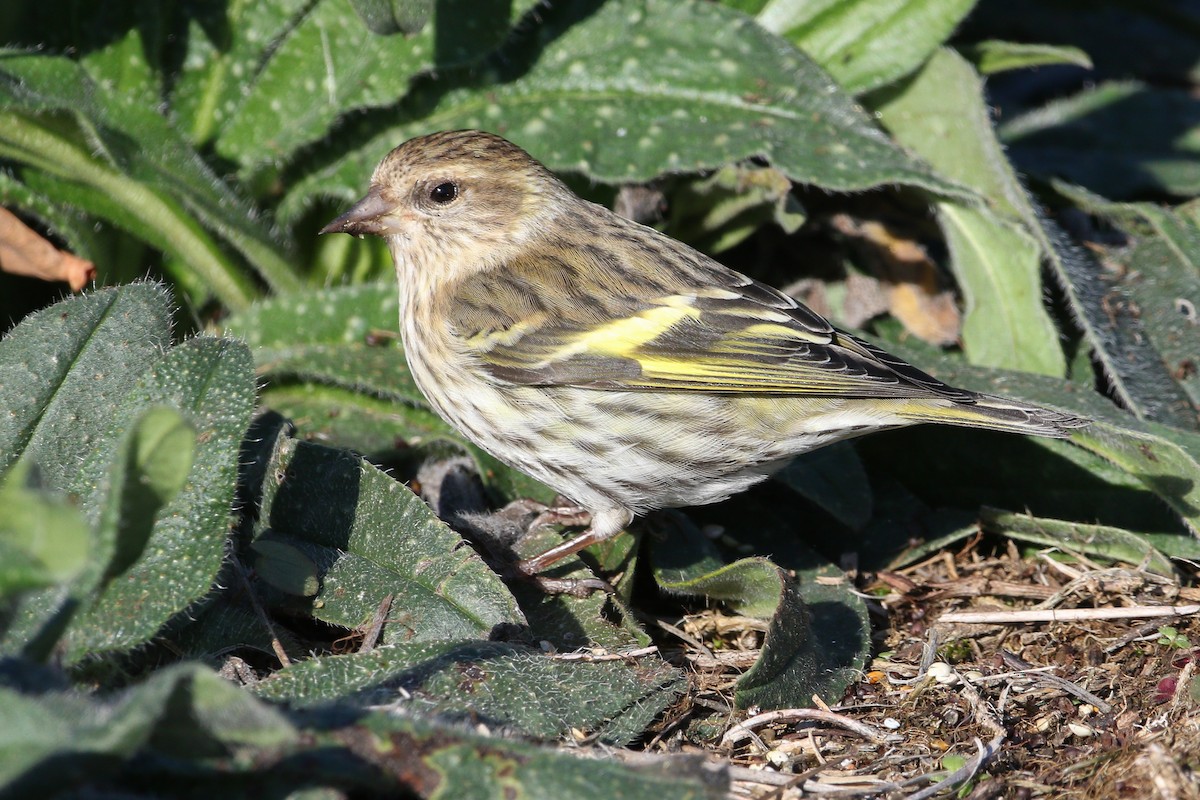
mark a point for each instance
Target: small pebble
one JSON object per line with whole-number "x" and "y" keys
{"x": 891, "y": 724}
{"x": 942, "y": 672}
{"x": 1080, "y": 730}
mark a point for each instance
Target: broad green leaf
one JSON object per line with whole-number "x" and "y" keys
{"x": 865, "y": 44}
{"x": 1092, "y": 540}
{"x": 330, "y": 517}
{"x": 993, "y": 55}
{"x": 181, "y": 711}
{"x": 226, "y": 43}
{"x": 395, "y": 754}
{"x": 152, "y": 462}
{"x": 833, "y": 478}
{"x": 1164, "y": 269}
{"x": 941, "y": 115}
{"x": 64, "y": 373}
{"x": 43, "y": 538}
{"x": 817, "y": 639}
{"x": 346, "y": 315}
{"x": 1118, "y": 139}
{"x": 1165, "y": 460}
{"x": 331, "y": 63}
{"x": 495, "y": 683}
{"x": 210, "y": 383}
{"x": 654, "y": 102}
{"x": 998, "y": 267}
{"x": 1134, "y": 369}
{"x": 153, "y": 176}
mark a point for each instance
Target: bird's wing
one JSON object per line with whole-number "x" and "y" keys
{"x": 707, "y": 329}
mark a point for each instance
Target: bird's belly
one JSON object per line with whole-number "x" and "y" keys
{"x": 636, "y": 450}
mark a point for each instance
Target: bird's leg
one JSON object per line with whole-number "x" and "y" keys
{"x": 605, "y": 525}
{"x": 561, "y": 515}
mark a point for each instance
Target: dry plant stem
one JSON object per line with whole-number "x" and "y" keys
{"x": 684, "y": 636}
{"x": 592, "y": 658}
{"x": 1066, "y": 614}
{"x": 375, "y": 627}
{"x": 1167, "y": 776}
{"x": 1016, "y": 662}
{"x": 985, "y": 753}
{"x": 276, "y": 645}
{"x": 744, "y": 729}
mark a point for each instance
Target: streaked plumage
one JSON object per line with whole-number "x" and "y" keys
{"x": 620, "y": 367}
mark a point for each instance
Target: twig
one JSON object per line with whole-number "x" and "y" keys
{"x": 1016, "y": 662}
{"x": 276, "y": 645}
{"x": 1066, "y": 614}
{"x": 375, "y": 626}
{"x": 984, "y": 754}
{"x": 596, "y": 657}
{"x": 744, "y": 730}
{"x": 684, "y": 636}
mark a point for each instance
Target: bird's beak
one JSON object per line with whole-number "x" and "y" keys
{"x": 367, "y": 216}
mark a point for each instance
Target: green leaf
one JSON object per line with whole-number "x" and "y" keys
{"x": 43, "y": 538}
{"x": 1117, "y": 139}
{"x": 833, "y": 478}
{"x": 998, "y": 266}
{"x": 208, "y": 381}
{"x": 154, "y": 179}
{"x": 995, "y": 254}
{"x": 817, "y": 638}
{"x": 865, "y": 44}
{"x": 71, "y": 362}
{"x": 1165, "y": 460}
{"x": 1163, "y": 269}
{"x": 330, "y": 63}
{"x": 1135, "y": 371}
{"x": 1093, "y": 540}
{"x": 185, "y": 711}
{"x": 226, "y": 43}
{"x": 328, "y": 516}
{"x": 656, "y": 103}
{"x": 150, "y": 468}
{"x": 345, "y": 315}
{"x": 993, "y": 56}
{"x": 492, "y": 683}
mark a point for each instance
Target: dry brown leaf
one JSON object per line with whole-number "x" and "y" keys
{"x": 914, "y": 291}
{"x": 24, "y": 252}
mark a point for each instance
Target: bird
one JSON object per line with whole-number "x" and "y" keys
{"x": 620, "y": 367}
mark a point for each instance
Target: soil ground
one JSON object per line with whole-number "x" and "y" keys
{"x": 1071, "y": 708}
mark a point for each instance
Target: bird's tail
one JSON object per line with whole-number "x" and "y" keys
{"x": 1002, "y": 414}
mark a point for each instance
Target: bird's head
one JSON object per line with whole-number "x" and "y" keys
{"x": 455, "y": 201}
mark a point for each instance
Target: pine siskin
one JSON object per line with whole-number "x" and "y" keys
{"x": 618, "y": 366}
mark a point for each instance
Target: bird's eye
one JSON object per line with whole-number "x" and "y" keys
{"x": 443, "y": 193}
